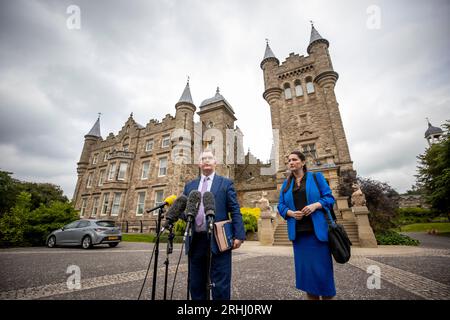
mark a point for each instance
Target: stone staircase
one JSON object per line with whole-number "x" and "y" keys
{"x": 281, "y": 235}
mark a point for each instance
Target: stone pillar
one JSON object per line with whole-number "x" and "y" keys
{"x": 365, "y": 232}
{"x": 266, "y": 229}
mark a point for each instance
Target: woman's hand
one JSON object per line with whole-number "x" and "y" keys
{"x": 297, "y": 215}
{"x": 307, "y": 210}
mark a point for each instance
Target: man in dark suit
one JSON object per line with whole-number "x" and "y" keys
{"x": 225, "y": 203}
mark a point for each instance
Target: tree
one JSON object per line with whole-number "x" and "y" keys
{"x": 13, "y": 223}
{"x": 382, "y": 202}
{"x": 9, "y": 190}
{"x": 434, "y": 173}
{"x": 43, "y": 193}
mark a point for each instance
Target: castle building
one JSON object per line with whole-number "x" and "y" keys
{"x": 123, "y": 175}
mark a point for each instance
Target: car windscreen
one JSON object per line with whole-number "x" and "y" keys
{"x": 108, "y": 224}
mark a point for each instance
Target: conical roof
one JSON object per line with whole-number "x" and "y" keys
{"x": 268, "y": 54}
{"x": 186, "y": 96}
{"x": 95, "y": 131}
{"x": 315, "y": 38}
{"x": 432, "y": 130}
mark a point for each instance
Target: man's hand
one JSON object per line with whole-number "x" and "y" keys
{"x": 236, "y": 243}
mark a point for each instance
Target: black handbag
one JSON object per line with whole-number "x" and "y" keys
{"x": 338, "y": 240}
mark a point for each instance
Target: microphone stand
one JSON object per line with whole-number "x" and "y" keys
{"x": 169, "y": 250}
{"x": 155, "y": 268}
{"x": 209, "y": 237}
{"x": 188, "y": 234}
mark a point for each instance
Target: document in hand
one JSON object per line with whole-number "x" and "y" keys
{"x": 223, "y": 231}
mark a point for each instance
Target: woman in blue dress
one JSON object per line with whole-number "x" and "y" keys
{"x": 302, "y": 204}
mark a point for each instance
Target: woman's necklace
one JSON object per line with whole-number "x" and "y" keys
{"x": 298, "y": 180}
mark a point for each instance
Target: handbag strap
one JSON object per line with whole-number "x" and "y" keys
{"x": 327, "y": 213}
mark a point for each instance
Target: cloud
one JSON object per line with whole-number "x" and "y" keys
{"x": 135, "y": 57}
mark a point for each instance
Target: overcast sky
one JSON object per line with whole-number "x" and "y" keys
{"x": 135, "y": 56}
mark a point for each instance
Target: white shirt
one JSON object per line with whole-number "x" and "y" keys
{"x": 210, "y": 181}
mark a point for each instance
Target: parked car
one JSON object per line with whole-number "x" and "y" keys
{"x": 86, "y": 233}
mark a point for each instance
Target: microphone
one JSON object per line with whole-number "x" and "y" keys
{"x": 174, "y": 212}
{"x": 167, "y": 202}
{"x": 192, "y": 205}
{"x": 209, "y": 204}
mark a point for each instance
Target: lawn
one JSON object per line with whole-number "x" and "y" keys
{"x": 441, "y": 227}
{"x": 147, "y": 237}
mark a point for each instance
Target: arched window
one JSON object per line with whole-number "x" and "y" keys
{"x": 309, "y": 85}
{"x": 287, "y": 91}
{"x": 298, "y": 88}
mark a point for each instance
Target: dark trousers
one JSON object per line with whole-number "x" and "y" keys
{"x": 220, "y": 270}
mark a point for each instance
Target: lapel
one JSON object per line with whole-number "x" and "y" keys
{"x": 196, "y": 183}
{"x": 216, "y": 184}
{"x": 309, "y": 177}
{"x": 289, "y": 198}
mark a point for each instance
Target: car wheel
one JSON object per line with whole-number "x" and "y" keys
{"x": 86, "y": 243}
{"x": 51, "y": 243}
{"x": 113, "y": 245}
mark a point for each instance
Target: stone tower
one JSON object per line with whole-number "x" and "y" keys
{"x": 305, "y": 117}
{"x": 303, "y": 107}
{"x": 216, "y": 117}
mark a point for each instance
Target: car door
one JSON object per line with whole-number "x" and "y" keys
{"x": 63, "y": 237}
{"x": 81, "y": 230}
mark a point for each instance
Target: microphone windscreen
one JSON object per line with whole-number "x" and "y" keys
{"x": 193, "y": 203}
{"x": 209, "y": 203}
{"x": 169, "y": 200}
{"x": 176, "y": 209}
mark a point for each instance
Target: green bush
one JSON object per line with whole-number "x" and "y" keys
{"x": 250, "y": 222}
{"x": 390, "y": 237}
{"x": 180, "y": 227}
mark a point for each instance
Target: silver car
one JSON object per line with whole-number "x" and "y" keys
{"x": 86, "y": 233}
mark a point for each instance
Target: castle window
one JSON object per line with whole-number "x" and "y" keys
{"x": 162, "y": 167}
{"x": 112, "y": 171}
{"x": 310, "y": 149}
{"x": 145, "y": 170}
{"x": 105, "y": 204}
{"x": 126, "y": 144}
{"x": 116, "y": 204}
{"x": 101, "y": 178}
{"x": 95, "y": 159}
{"x": 165, "y": 141}
{"x": 140, "y": 203}
{"x": 122, "y": 171}
{"x": 149, "y": 145}
{"x": 287, "y": 91}
{"x": 89, "y": 181}
{"x": 159, "y": 198}
{"x": 298, "y": 88}
{"x": 95, "y": 207}
{"x": 83, "y": 207}
{"x": 105, "y": 157}
{"x": 309, "y": 85}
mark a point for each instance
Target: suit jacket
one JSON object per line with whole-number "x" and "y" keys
{"x": 313, "y": 194}
{"x": 225, "y": 202}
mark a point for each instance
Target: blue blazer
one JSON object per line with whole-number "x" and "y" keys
{"x": 313, "y": 194}
{"x": 226, "y": 202}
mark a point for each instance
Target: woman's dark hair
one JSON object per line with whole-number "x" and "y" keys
{"x": 302, "y": 157}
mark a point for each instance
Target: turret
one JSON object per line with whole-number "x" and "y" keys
{"x": 318, "y": 49}
{"x": 90, "y": 139}
{"x": 269, "y": 65}
{"x": 185, "y": 109}
{"x": 433, "y": 134}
